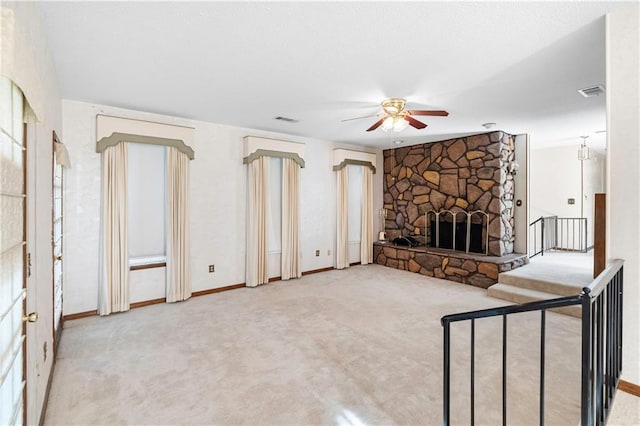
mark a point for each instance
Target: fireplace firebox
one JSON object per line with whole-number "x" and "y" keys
{"x": 460, "y": 231}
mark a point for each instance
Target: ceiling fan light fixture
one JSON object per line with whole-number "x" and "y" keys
{"x": 388, "y": 124}
{"x": 399, "y": 124}
{"x": 393, "y": 106}
{"x": 394, "y": 116}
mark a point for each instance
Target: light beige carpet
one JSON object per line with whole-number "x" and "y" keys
{"x": 358, "y": 346}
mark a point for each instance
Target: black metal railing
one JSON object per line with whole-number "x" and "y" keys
{"x": 542, "y": 234}
{"x": 601, "y": 346}
{"x": 571, "y": 234}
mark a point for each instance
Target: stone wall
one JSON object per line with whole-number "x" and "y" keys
{"x": 464, "y": 174}
{"x": 478, "y": 271}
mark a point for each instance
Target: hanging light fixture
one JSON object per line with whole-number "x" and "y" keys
{"x": 396, "y": 123}
{"x": 583, "y": 152}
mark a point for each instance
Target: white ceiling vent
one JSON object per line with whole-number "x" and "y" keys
{"x": 287, "y": 119}
{"x": 588, "y": 92}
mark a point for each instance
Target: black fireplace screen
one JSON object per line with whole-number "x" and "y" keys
{"x": 449, "y": 231}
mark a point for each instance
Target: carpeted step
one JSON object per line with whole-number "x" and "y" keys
{"x": 528, "y": 279}
{"x": 525, "y": 295}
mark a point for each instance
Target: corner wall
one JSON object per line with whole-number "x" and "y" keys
{"x": 218, "y": 205}
{"x": 27, "y": 61}
{"x": 623, "y": 176}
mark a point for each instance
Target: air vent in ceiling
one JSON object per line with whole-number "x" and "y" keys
{"x": 287, "y": 119}
{"x": 588, "y": 92}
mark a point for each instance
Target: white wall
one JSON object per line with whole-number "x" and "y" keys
{"x": 556, "y": 176}
{"x": 218, "y": 205}
{"x": 623, "y": 178}
{"x": 521, "y": 193}
{"x": 27, "y": 60}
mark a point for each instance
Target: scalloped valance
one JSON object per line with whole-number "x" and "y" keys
{"x": 110, "y": 131}
{"x": 117, "y": 137}
{"x": 343, "y": 157}
{"x": 256, "y": 147}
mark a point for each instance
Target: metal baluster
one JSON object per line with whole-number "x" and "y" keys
{"x": 542, "y": 354}
{"x": 473, "y": 370}
{"x": 621, "y": 278}
{"x": 608, "y": 373}
{"x": 447, "y": 377}
{"x": 504, "y": 370}
{"x": 598, "y": 370}
{"x": 579, "y": 234}
{"x": 614, "y": 327}
{"x": 586, "y": 383}
{"x": 542, "y": 236}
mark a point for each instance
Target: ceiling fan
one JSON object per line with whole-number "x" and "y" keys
{"x": 394, "y": 117}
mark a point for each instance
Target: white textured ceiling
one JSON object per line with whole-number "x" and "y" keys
{"x": 243, "y": 63}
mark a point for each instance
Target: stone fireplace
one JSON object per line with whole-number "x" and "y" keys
{"x": 456, "y": 197}
{"x": 460, "y": 175}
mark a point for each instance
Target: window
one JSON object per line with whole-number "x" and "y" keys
{"x": 146, "y": 192}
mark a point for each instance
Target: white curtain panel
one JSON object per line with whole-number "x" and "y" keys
{"x": 113, "y": 294}
{"x": 342, "y": 219}
{"x": 366, "y": 221}
{"x": 257, "y": 214}
{"x": 290, "y": 257}
{"x": 177, "y": 231}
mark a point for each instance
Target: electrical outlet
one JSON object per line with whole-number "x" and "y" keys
{"x": 317, "y": 252}
{"x": 328, "y": 252}
{"x": 212, "y": 268}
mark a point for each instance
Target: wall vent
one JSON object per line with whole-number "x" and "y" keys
{"x": 588, "y": 92}
{"x": 287, "y": 119}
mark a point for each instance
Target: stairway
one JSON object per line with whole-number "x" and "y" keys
{"x": 546, "y": 277}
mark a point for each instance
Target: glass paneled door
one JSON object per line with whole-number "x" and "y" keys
{"x": 56, "y": 239}
{"x": 12, "y": 254}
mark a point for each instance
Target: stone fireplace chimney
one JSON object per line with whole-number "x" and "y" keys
{"x": 462, "y": 175}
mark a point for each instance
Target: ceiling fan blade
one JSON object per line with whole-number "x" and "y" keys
{"x": 376, "y": 125}
{"x": 358, "y": 118}
{"x": 432, "y": 113}
{"x": 415, "y": 123}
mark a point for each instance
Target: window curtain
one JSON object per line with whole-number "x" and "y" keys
{"x": 290, "y": 257}
{"x": 366, "y": 221}
{"x": 342, "y": 220}
{"x": 113, "y": 294}
{"x": 178, "y": 269}
{"x": 257, "y": 214}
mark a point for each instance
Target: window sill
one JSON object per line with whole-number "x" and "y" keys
{"x": 147, "y": 266}
{"x": 147, "y": 263}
